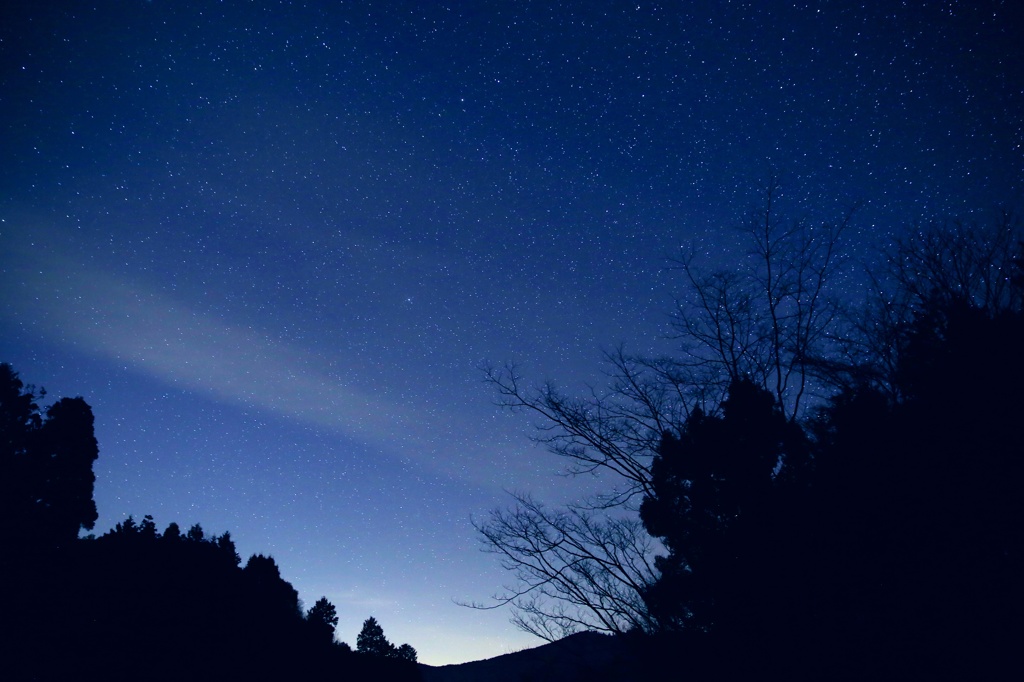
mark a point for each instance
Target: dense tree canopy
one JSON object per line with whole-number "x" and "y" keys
{"x": 371, "y": 639}
{"x": 47, "y": 459}
{"x": 323, "y": 617}
{"x": 136, "y": 603}
{"x": 707, "y": 483}
{"x": 840, "y": 506}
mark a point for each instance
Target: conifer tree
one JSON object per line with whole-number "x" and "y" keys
{"x": 323, "y": 617}
{"x": 371, "y": 640}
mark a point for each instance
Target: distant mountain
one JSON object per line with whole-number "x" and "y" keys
{"x": 582, "y": 656}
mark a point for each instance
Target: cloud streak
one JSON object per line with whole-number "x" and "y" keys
{"x": 53, "y": 294}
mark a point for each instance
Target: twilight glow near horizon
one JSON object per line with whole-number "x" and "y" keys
{"x": 272, "y": 243}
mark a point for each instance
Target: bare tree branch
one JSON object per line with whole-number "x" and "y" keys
{"x": 603, "y": 433}
{"x": 574, "y": 570}
{"x": 959, "y": 262}
{"x": 769, "y": 323}
{"x": 937, "y": 265}
{"x": 589, "y": 565}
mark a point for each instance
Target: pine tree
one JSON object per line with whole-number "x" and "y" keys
{"x": 371, "y": 640}
{"x": 407, "y": 653}
{"x": 323, "y": 617}
{"x": 46, "y": 485}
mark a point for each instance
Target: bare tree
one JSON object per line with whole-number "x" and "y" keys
{"x": 589, "y": 565}
{"x": 934, "y": 266}
{"x": 957, "y": 261}
{"x": 616, "y": 432}
{"x": 771, "y": 322}
{"x": 574, "y": 570}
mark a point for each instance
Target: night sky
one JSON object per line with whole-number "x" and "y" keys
{"x": 272, "y": 243}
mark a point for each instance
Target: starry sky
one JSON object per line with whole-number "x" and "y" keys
{"x": 272, "y": 243}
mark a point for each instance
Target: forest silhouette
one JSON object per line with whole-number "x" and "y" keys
{"x": 880, "y": 537}
{"x": 886, "y": 546}
{"x": 876, "y": 537}
{"x": 835, "y": 487}
{"x": 135, "y": 603}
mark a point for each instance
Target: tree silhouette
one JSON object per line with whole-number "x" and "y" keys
{"x": 196, "y": 533}
{"x": 172, "y": 533}
{"x": 19, "y": 420}
{"x": 67, "y": 444}
{"x": 769, "y": 321}
{"x": 914, "y": 513}
{"x": 406, "y": 653}
{"x": 227, "y": 547}
{"x": 707, "y": 483}
{"x": 323, "y": 618}
{"x": 264, "y": 577}
{"x": 47, "y": 488}
{"x": 371, "y": 640}
{"x": 574, "y": 568}
{"x": 886, "y": 543}
{"x": 136, "y": 602}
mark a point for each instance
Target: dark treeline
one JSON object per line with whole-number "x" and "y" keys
{"x": 137, "y": 603}
{"x": 836, "y": 489}
{"x": 894, "y": 549}
{"x": 875, "y": 536}
{"x": 879, "y": 538}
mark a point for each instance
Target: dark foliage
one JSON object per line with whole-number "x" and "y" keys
{"x": 323, "y": 618}
{"x": 893, "y": 551}
{"x": 713, "y": 484}
{"x": 371, "y": 639}
{"x": 135, "y": 604}
{"x": 46, "y": 460}
{"x": 372, "y": 642}
{"x": 876, "y": 536}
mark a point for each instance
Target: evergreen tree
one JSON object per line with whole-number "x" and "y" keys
{"x": 173, "y": 532}
{"x": 227, "y": 548}
{"x": 710, "y": 485}
{"x": 147, "y": 529}
{"x": 278, "y": 595}
{"x": 47, "y": 483}
{"x": 406, "y": 653}
{"x": 371, "y": 640}
{"x": 323, "y": 617}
